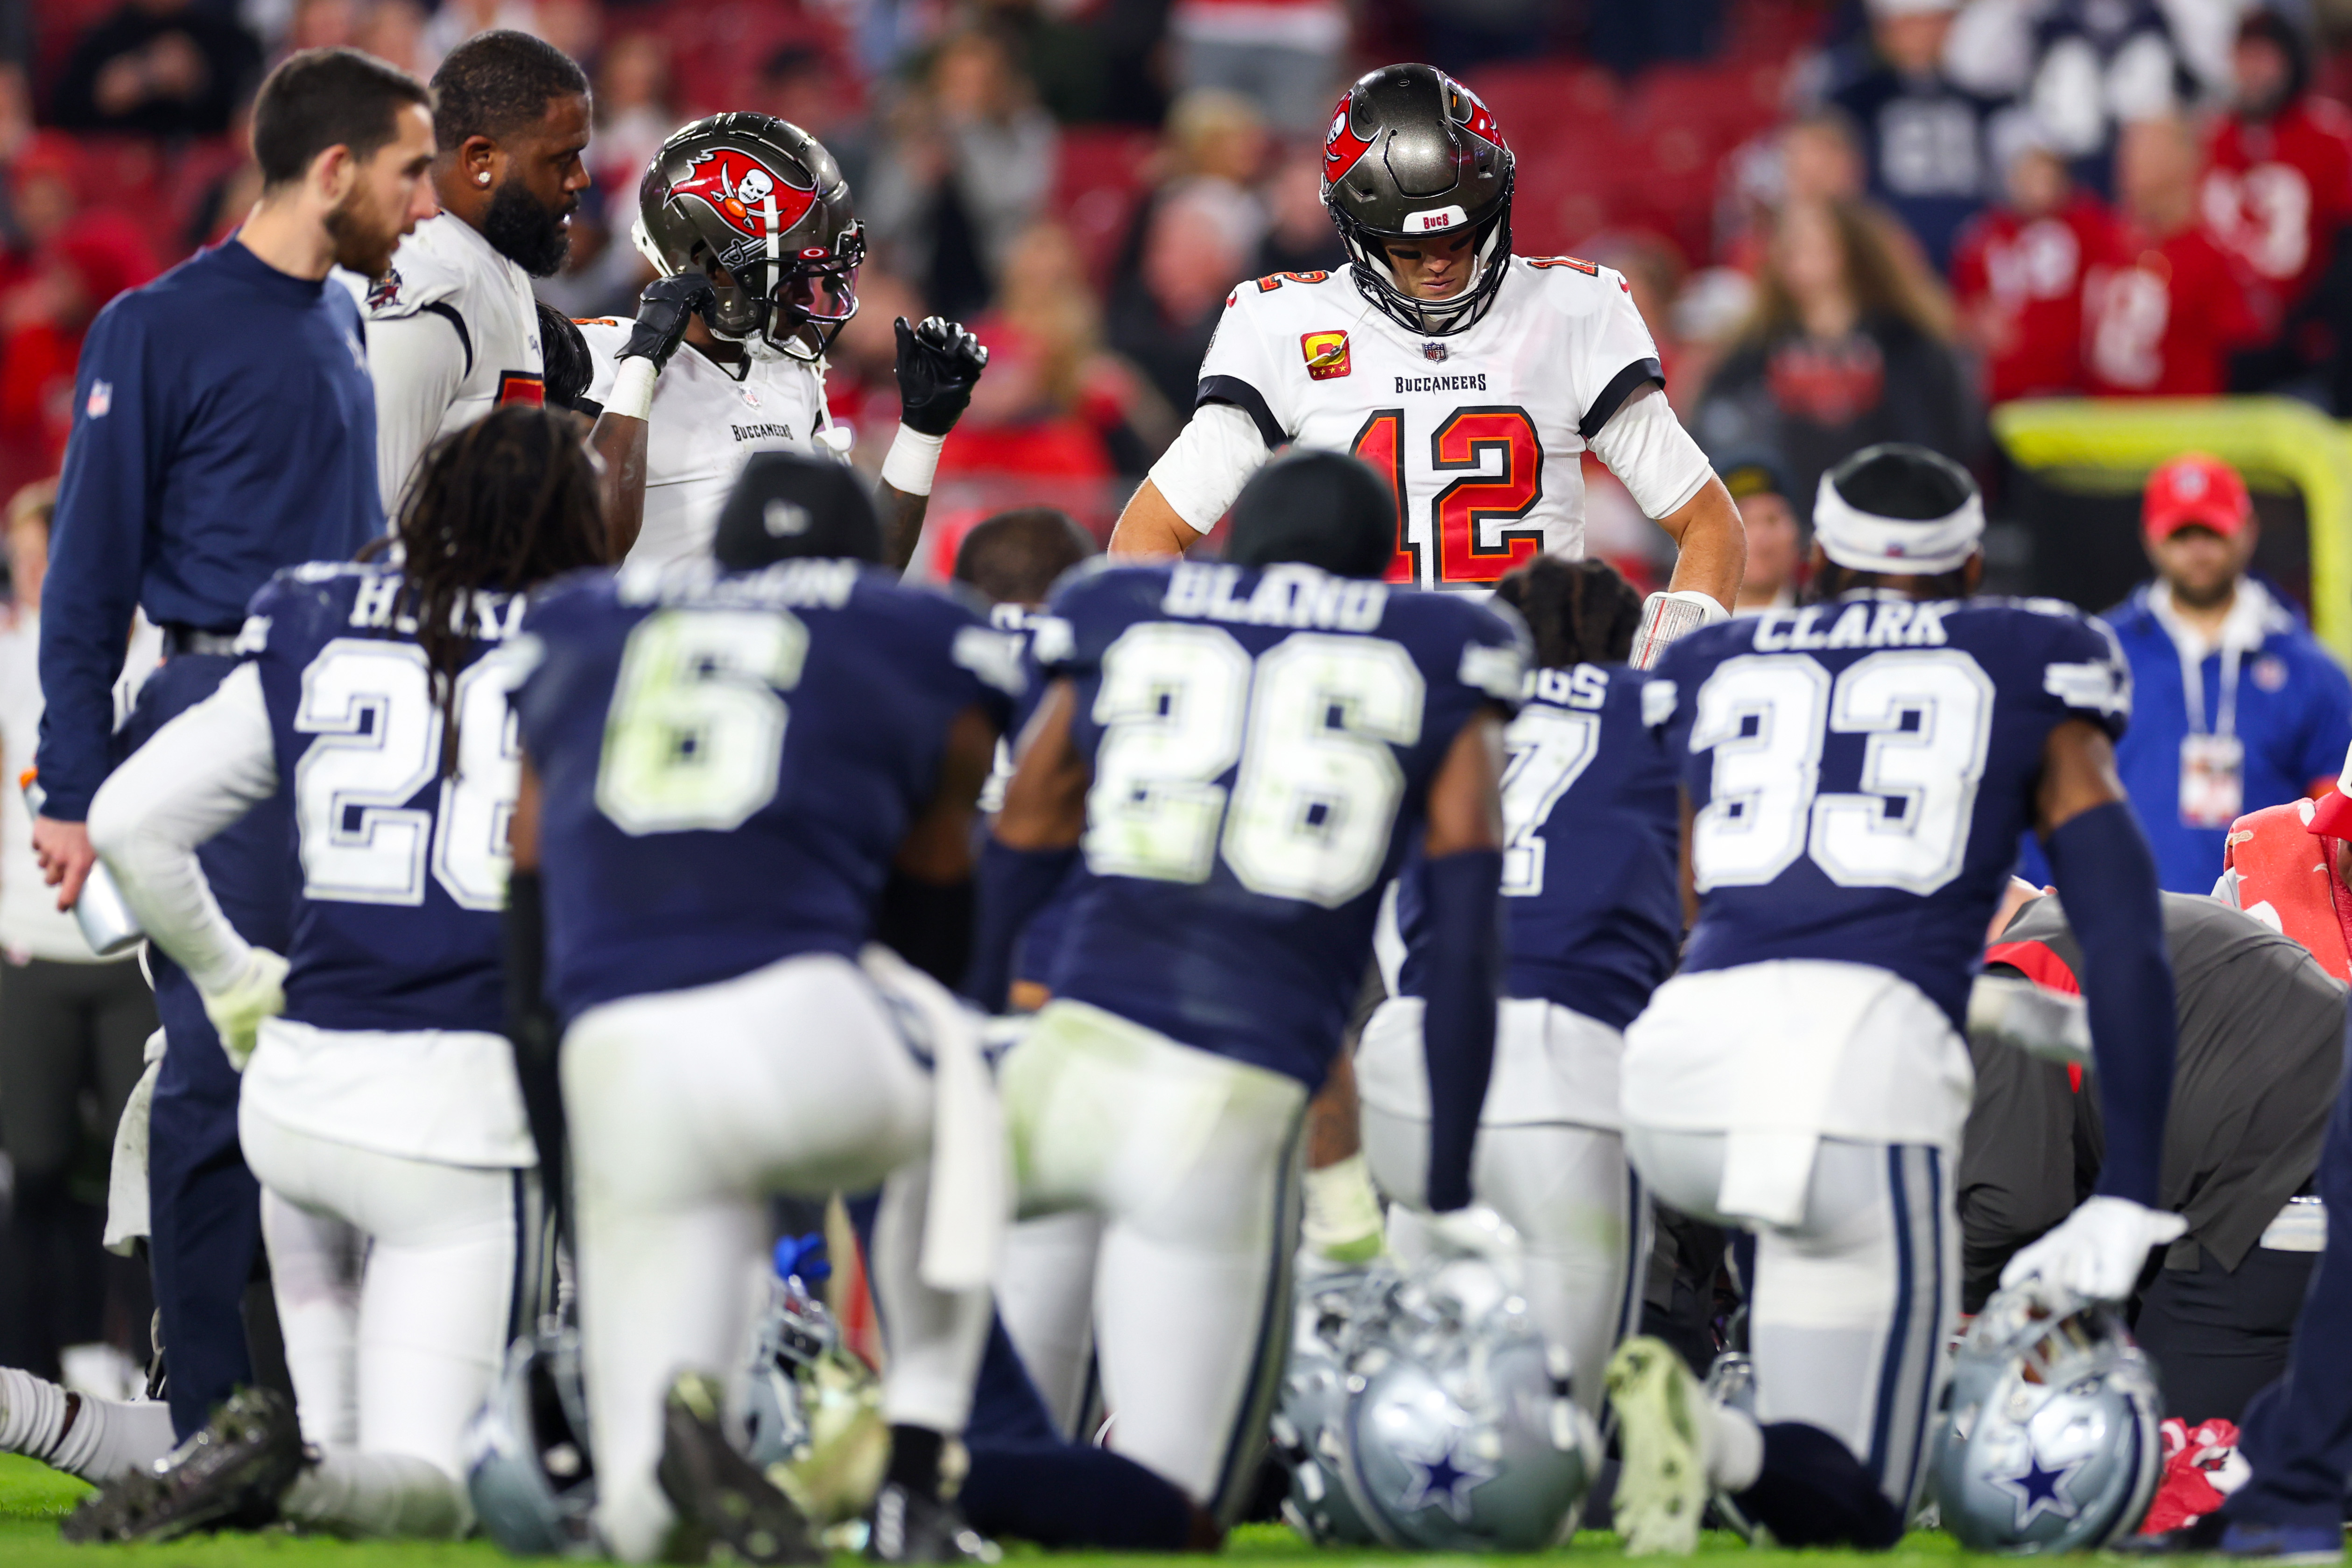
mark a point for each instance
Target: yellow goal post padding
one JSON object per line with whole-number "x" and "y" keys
{"x": 2268, "y": 439}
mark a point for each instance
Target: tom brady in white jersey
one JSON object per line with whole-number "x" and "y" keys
{"x": 453, "y": 330}
{"x": 1471, "y": 379}
{"x": 747, "y": 218}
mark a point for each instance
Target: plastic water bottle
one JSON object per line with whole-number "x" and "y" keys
{"x": 106, "y": 921}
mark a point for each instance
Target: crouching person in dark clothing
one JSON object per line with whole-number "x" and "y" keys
{"x": 2261, "y": 1045}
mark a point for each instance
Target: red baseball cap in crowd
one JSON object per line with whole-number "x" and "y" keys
{"x": 2331, "y": 815}
{"x": 2194, "y": 487}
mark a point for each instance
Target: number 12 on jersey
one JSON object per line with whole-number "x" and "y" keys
{"x": 1469, "y": 441}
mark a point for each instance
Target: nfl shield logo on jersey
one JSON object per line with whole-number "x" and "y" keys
{"x": 1434, "y": 352}
{"x": 1327, "y": 354}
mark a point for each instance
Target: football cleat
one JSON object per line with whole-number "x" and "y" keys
{"x": 1661, "y": 1491}
{"x": 727, "y": 1511}
{"x": 229, "y": 1475}
{"x": 908, "y": 1527}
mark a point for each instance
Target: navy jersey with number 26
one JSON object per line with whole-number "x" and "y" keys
{"x": 1860, "y": 770}
{"x": 728, "y": 763}
{"x": 1263, "y": 744}
{"x": 404, "y": 853}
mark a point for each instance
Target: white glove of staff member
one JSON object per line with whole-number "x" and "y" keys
{"x": 2098, "y": 1251}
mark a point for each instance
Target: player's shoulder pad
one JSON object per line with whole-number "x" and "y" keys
{"x": 951, "y": 618}
{"x": 422, "y": 272}
{"x": 1095, "y": 601}
{"x": 1279, "y": 294}
{"x": 308, "y": 604}
{"x": 1572, "y": 284}
{"x": 2080, "y": 660}
{"x": 603, "y": 334}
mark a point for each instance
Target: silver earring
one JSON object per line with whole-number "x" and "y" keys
{"x": 481, "y": 179}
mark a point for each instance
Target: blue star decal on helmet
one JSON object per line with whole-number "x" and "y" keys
{"x": 1446, "y": 1477}
{"x": 2037, "y": 1489}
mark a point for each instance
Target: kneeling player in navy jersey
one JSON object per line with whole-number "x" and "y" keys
{"x": 1856, "y": 775}
{"x": 379, "y": 1105}
{"x": 742, "y": 776}
{"x": 1242, "y": 752}
{"x": 1593, "y": 919}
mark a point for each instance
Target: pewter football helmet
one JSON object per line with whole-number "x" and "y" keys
{"x": 764, "y": 200}
{"x": 1412, "y": 154}
{"x": 2052, "y": 1443}
{"x": 526, "y": 1452}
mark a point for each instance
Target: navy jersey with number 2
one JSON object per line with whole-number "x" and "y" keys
{"x": 728, "y": 763}
{"x": 402, "y": 847}
{"x": 1860, "y": 770}
{"x": 1262, "y": 743}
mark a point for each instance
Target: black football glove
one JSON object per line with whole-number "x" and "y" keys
{"x": 663, "y": 310}
{"x": 938, "y": 364}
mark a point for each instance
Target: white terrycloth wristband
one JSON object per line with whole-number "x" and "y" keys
{"x": 913, "y": 462}
{"x": 633, "y": 389}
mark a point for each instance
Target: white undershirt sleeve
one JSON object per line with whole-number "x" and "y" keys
{"x": 417, "y": 362}
{"x": 1652, "y": 455}
{"x": 1208, "y": 463}
{"x": 199, "y": 773}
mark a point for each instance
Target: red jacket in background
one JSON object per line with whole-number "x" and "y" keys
{"x": 2021, "y": 280}
{"x": 2160, "y": 317}
{"x": 2276, "y": 193}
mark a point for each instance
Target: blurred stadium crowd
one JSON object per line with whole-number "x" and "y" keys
{"x": 1845, "y": 223}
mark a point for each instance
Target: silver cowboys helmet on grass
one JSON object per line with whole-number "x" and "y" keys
{"x": 1413, "y": 156}
{"x": 1427, "y": 1412}
{"x": 761, "y": 201}
{"x": 2051, "y": 1441}
{"x": 526, "y": 1452}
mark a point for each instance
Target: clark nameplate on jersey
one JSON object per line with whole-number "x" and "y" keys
{"x": 1482, "y": 433}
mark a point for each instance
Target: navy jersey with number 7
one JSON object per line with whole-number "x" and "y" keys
{"x": 1263, "y": 742}
{"x": 1592, "y": 822}
{"x": 728, "y": 763}
{"x": 1860, "y": 770}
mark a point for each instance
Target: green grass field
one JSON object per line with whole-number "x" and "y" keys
{"x": 33, "y": 1498}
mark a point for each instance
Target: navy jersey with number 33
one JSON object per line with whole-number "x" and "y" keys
{"x": 1859, "y": 772}
{"x": 1263, "y": 744}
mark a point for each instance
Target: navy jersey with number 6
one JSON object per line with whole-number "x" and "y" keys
{"x": 1859, "y": 772}
{"x": 1263, "y": 744}
{"x": 403, "y": 849}
{"x": 728, "y": 764}
{"x": 1592, "y": 824}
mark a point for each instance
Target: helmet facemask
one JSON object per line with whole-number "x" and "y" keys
{"x": 1375, "y": 275}
{"x": 796, "y": 317}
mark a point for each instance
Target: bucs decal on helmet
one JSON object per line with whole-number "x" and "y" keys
{"x": 1342, "y": 148}
{"x": 1479, "y": 120}
{"x": 748, "y": 197}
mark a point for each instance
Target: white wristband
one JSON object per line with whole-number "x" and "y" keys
{"x": 913, "y": 462}
{"x": 633, "y": 389}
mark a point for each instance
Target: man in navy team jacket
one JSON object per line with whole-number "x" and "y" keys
{"x": 223, "y": 428}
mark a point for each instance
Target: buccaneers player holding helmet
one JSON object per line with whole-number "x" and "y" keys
{"x": 748, "y": 220}
{"x": 1473, "y": 380}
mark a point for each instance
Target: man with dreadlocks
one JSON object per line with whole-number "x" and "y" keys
{"x": 380, "y": 1108}
{"x": 1594, "y": 921}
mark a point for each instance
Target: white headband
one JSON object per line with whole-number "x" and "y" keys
{"x": 1861, "y": 542}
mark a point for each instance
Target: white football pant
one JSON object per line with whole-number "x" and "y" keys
{"x": 687, "y": 1108}
{"x": 395, "y": 1282}
{"x": 1045, "y": 1296}
{"x": 1192, "y": 1160}
{"x": 1850, "y": 1307}
{"x": 1583, "y": 1219}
